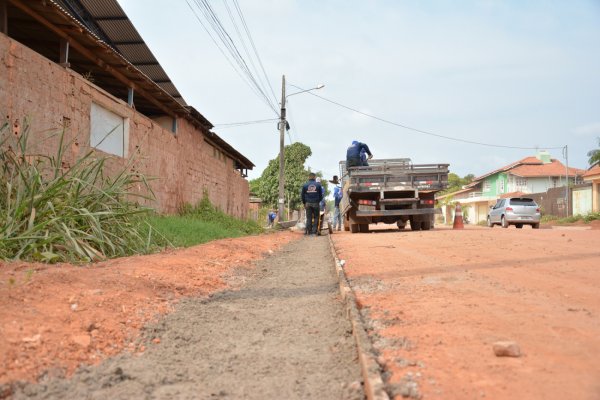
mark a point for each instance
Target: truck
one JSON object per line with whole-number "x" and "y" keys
{"x": 391, "y": 191}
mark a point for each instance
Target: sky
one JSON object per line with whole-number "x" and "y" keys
{"x": 520, "y": 73}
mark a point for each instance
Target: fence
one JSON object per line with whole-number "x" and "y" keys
{"x": 553, "y": 201}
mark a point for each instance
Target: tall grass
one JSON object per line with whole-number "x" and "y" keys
{"x": 199, "y": 224}
{"x": 52, "y": 213}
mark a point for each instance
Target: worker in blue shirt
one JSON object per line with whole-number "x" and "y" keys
{"x": 337, "y": 198}
{"x": 353, "y": 154}
{"x": 271, "y": 217}
{"x": 363, "y": 158}
{"x": 311, "y": 195}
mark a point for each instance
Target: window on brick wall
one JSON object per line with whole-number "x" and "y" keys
{"x": 108, "y": 131}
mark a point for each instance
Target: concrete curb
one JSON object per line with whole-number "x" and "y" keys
{"x": 371, "y": 371}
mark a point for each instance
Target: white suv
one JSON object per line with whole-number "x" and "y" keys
{"x": 517, "y": 211}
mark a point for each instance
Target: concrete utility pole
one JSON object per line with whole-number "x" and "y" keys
{"x": 566, "y": 154}
{"x": 282, "y": 125}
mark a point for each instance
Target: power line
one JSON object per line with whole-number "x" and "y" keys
{"x": 258, "y": 121}
{"x": 229, "y": 46}
{"x": 239, "y": 10}
{"x": 425, "y": 132}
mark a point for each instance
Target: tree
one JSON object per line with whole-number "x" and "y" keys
{"x": 594, "y": 155}
{"x": 455, "y": 182}
{"x": 295, "y": 174}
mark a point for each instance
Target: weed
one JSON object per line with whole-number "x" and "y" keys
{"x": 50, "y": 212}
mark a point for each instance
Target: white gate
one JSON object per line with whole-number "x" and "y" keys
{"x": 582, "y": 200}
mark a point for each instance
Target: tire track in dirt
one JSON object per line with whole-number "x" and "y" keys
{"x": 283, "y": 335}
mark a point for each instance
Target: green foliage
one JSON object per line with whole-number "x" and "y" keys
{"x": 456, "y": 183}
{"x": 206, "y": 212}
{"x": 594, "y": 155}
{"x": 587, "y": 218}
{"x": 183, "y": 231}
{"x": 295, "y": 175}
{"x": 50, "y": 213}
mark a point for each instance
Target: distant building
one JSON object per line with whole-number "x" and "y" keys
{"x": 593, "y": 176}
{"x": 81, "y": 66}
{"x": 535, "y": 174}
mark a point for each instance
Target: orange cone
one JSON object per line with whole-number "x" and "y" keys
{"x": 458, "y": 218}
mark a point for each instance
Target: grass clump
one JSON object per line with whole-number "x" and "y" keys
{"x": 52, "y": 212}
{"x": 200, "y": 224}
{"x": 587, "y": 218}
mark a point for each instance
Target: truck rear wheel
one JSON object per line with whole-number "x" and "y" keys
{"x": 426, "y": 225}
{"x": 354, "y": 228}
{"x": 364, "y": 228}
{"x": 415, "y": 224}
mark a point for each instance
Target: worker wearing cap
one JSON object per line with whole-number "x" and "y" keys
{"x": 311, "y": 195}
{"x": 353, "y": 154}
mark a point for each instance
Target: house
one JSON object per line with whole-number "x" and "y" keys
{"x": 81, "y": 66}
{"x": 534, "y": 174}
{"x": 593, "y": 176}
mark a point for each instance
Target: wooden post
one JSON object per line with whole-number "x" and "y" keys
{"x": 130, "y": 96}
{"x": 64, "y": 53}
{"x": 3, "y": 17}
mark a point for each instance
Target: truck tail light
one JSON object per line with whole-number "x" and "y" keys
{"x": 367, "y": 202}
{"x": 509, "y": 209}
{"x": 537, "y": 210}
{"x": 427, "y": 201}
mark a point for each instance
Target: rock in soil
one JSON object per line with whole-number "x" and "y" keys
{"x": 507, "y": 349}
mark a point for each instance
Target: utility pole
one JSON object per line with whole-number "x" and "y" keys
{"x": 566, "y": 150}
{"x": 282, "y": 125}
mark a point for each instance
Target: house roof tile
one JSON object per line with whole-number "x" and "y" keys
{"x": 554, "y": 168}
{"x": 595, "y": 170}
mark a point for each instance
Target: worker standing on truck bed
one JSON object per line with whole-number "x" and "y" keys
{"x": 311, "y": 196}
{"x": 353, "y": 154}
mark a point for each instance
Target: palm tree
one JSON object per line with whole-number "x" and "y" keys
{"x": 594, "y": 155}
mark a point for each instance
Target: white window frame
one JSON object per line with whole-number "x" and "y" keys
{"x": 487, "y": 186}
{"x": 109, "y": 131}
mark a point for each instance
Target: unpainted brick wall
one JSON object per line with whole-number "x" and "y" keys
{"x": 53, "y": 98}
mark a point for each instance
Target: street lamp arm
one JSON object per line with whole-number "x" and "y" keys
{"x": 319, "y": 86}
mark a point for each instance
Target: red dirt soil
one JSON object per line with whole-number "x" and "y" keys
{"x": 438, "y": 300}
{"x": 55, "y": 317}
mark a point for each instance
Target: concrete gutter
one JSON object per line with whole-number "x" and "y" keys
{"x": 371, "y": 371}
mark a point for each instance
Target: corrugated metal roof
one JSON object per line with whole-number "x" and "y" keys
{"x": 107, "y": 20}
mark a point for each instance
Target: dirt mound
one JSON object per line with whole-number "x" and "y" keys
{"x": 55, "y": 317}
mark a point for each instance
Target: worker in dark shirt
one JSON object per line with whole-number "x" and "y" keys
{"x": 311, "y": 196}
{"x": 353, "y": 154}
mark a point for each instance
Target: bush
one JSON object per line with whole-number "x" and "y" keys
{"x": 205, "y": 211}
{"x": 50, "y": 213}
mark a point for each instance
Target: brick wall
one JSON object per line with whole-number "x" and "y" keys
{"x": 53, "y": 97}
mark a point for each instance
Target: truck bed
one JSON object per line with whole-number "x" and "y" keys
{"x": 391, "y": 191}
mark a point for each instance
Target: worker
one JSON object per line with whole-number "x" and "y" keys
{"x": 337, "y": 198}
{"x": 353, "y": 154}
{"x": 363, "y": 158}
{"x": 322, "y": 206}
{"x": 311, "y": 195}
{"x": 271, "y": 217}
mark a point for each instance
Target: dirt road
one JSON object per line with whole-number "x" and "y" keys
{"x": 281, "y": 335}
{"x": 437, "y": 301}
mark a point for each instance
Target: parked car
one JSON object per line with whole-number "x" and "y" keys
{"x": 517, "y": 211}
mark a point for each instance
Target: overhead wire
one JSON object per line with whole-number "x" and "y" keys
{"x": 226, "y": 45}
{"x": 241, "y": 14}
{"x": 226, "y": 39}
{"x": 423, "y": 131}
{"x": 242, "y": 123}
